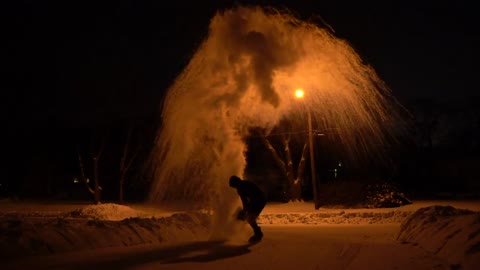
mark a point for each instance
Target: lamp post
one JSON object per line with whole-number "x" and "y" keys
{"x": 299, "y": 94}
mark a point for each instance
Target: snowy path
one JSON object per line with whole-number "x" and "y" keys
{"x": 283, "y": 247}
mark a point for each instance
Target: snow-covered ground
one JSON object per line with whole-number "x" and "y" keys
{"x": 440, "y": 228}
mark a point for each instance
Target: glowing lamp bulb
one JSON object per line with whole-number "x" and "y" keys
{"x": 299, "y": 93}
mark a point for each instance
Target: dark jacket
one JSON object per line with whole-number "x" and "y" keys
{"x": 251, "y": 195}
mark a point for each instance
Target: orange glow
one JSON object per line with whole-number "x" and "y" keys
{"x": 299, "y": 93}
{"x": 244, "y": 75}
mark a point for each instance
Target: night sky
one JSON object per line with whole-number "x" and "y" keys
{"x": 77, "y": 64}
{"x": 68, "y": 63}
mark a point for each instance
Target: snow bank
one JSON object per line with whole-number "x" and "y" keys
{"x": 108, "y": 211}
{"x": 340, "y": 217}
{"x": 450, "y": 233}
{"x": 115, "y": 212}
{"x": 304, "y": 213}
{"x": 21, "y": 236}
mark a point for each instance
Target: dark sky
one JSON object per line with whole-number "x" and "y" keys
{"x": 74, "y": 63}
{"x": 71, "y": 66}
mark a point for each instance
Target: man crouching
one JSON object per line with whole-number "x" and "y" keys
{"x": 253, "y": 201}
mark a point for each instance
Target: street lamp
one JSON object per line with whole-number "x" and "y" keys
{"x": 299, "y": 93}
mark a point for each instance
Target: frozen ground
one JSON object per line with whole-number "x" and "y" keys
{"x": 448, "y": 236}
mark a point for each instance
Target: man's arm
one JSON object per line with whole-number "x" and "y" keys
{"x": 244, "y": 202}
{"x": 242, "y": 215}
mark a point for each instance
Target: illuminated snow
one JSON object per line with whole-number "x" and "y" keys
{"x": 439, "y": 228}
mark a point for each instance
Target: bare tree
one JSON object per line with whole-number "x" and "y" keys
{"x": 286, "y": 165}
{"x": 95, "y": 158}
{"x": 82, "y": 173}
{"x": 125, "y": 163}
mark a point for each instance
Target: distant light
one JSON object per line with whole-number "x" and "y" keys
{"x": 339, "y": 164}
{"x": 299, "y": 93}
{"x": 75, "y": 180}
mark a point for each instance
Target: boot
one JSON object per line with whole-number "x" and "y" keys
{"x": 257, "y": 236}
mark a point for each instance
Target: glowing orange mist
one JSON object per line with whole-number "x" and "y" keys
{"x": 242, "y": 76}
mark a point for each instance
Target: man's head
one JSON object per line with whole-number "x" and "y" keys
{"x": 234, "y": 181}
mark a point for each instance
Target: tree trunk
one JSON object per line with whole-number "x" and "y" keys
{"x": 281, "y": 165}
{"x": 278, "y": 161}
{"x": 124, "y": 165}
{"x": 82, "y": 172}
{"x": 97, "y": 187}
{"x": 301, "y": 169}
{"x": 294, "y": 188}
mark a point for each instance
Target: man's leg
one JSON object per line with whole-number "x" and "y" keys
{"x": 252, "y": 220}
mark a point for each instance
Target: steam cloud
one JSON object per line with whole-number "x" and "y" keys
{"x": 244, "y": 75}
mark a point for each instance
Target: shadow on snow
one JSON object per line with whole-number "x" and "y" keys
{"x": 204, "y": 251}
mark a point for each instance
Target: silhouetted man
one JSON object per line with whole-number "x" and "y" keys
{"x": 253, "y": 201}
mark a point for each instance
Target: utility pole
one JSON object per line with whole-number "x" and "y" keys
{"x": 312, "y": 161}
